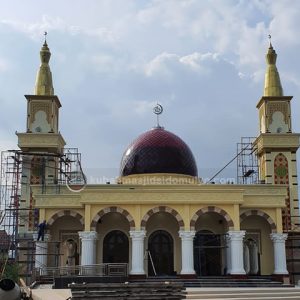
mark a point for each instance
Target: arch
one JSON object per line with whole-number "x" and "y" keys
{"x": 255, "y": 212}
{"x": 166, "y": 209}
{"x": 207, "y": 209}
{"x": 110, "y": 209}
{"x": 62, "y": 213}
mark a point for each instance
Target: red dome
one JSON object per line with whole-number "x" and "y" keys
{"x": 158, "y": 151}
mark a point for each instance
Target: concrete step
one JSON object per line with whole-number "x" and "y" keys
{"x": 220, "y": 281}
{"x": 242, "y": 293}
{"x": 258, "y": 297}
{"x": 244, "y": 296}
{"x": 145, "y": 291}
{"x": 233, "y": 284}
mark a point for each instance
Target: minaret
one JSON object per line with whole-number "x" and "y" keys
{"x": 277, "y": 144}
{"x": 272, "y": 80}
{"x": 44, "y": 85}
{"x": 41, "y": 144}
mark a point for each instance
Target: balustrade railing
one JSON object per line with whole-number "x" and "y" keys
{"x": 101, "y": 270}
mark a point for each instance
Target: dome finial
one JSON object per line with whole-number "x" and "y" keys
{"x": 45, "y": 34}
{"x": 272, "y": 79}
{"x": 158, "y": 109}
{"x": 43, "y": 84}
{"x": 270, "y": 38}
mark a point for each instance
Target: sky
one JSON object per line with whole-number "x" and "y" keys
{"x": 113, "y": 60}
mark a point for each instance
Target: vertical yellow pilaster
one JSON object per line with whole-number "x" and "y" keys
{"x": 137, "y": 217}
{"x": 186, "y": 216}
{"x": 87, "y": 217}
{"x": 279, "y": 220}
{"x": 236, "y": 220}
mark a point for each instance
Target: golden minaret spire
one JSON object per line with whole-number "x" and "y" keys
{"x": 43, "y": 84}
{"x": 272, "y": 80}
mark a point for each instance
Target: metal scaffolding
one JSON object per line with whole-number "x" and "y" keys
{"x": 10, "y": 193}
{"x": 247, "y": 162}
{"x": 18, "y": 215}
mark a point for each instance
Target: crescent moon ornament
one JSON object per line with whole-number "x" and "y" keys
{"x": 158, "y": 109}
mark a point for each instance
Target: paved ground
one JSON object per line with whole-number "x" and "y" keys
{"x": 50, "y": 294}
{"x": 46, "y": 293}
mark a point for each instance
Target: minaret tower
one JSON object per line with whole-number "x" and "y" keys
{"x": 42, "y": 143}
{"x": 277, "y": 144}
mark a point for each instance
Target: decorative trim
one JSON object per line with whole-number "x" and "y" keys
{"x": 215, "y": 209}
{"x": 187, "y": 235}
{"x": 166, "y": 209}
{"x": 88, "y": 235}
{"x": 137, "y": 234}
{"x": 62, "y": 213}
{"x": 236, "y": 235}
{"x": 110, "y": 209}
{"x": 278, "y": 237}
{"x": 260, "y": 213}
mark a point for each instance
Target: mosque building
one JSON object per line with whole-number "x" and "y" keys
{"x": 159, "y": 218}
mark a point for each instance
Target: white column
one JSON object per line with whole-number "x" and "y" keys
{"x": 279, "y": 253}
{"x": 41, "y": 252}
{"x": 236, "y": 250}
{"x": 228, "y": 255}
{"x": 137, "y": 252}
{"x": 187, "y": 252}
{"x": 88, "y": 247}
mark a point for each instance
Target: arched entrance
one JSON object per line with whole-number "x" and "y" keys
{"x": 115, "y": 247}
{"x": 207, "y": 253}
{"x": 160, "y": 249}
{"x": 259, "y": 254}
{"x": 63, "y": 227}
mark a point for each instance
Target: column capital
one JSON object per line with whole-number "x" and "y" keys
{"x": 88, "y": 235}
{"x": 236, "y": 235}
{"x": 187, "y": 234}
{"x": 137, "y": 234}
{"x": 278, "y": 237}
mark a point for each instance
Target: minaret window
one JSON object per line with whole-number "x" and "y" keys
{"x": 40, "y": 123}
{"x": 278, "y": 124}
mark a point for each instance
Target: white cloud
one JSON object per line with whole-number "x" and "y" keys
{"x": 160, "y": 64}
{"x": 112, "y": 60}
{"x": 165, "y": 64}
{"x": 194, "y": 60}
{"x": 285, "y": 21}
{"x": 36, "y": 29}
{"x": 47, "y": 23}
